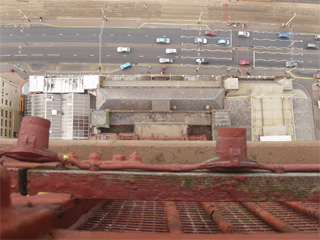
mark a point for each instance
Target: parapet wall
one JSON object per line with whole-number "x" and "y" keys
{"x": 162, "y": 152}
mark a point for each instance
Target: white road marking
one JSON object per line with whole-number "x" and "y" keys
{"x": 275, "y": 60}
{"x": 273, "y": 40}
{"x": 111, "y": 35}
{"x": 60, "y": 34}
{"x": 27, "y": 34}
{"x": 53, "y": 55}
{"x": 43, "y": 34}
{"x": 264, "y": 32}
{"x": 91, "y": 55}
{"x": 208, "y": 50}
{"x": 77, "y": 34}
{"x": 108, "y": 55}
{"x": 75, "y": 55}
{"x": 124, "y": 55}
{"x": 129, "y": 35}
{"x": 141, "y": 56}
{"x": 21, "y": 55}
{"x": 37, "y": 55}
{"x": 146, "y": 35}
{"x": 188, "y": 36}
{"x": 94, "y": 34}
{"x": 277, "y": 47}
{"x": 297, "y": 54}
{"x": 5, "y": 55}
{"x": 11, "y": 35}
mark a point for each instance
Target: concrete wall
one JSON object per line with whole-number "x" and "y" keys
{"x": 161, "y": 152}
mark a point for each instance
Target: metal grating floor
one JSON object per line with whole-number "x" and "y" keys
{"x": 297, "y": 220}
{"x": 242, "y": 218}
{"x": 123, "y": 216}
{"x": 150, "y": 216}
{"x": 194, "y": 218}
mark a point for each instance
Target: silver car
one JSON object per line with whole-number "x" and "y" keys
{"x": 163, "y": 40}
{"x": 224, "y": 42}
{"x": 165, "y": 60}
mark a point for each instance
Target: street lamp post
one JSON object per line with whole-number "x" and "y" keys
{"x": 23, "y": 16}
{"x": 100, "y": 39}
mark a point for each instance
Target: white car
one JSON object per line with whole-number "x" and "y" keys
{"x": 200, "y": 40}
{"x": 243, "y": 34}
{"x": 165, "y": 60}
{"x": 123, "y": 49}
{"x": 171, "y": 51}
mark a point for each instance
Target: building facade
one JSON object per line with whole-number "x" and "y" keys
{"x": 10, "y": 108}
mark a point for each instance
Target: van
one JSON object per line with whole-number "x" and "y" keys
{"x": 243, "y": 34}
{"x": 312, "y": 46}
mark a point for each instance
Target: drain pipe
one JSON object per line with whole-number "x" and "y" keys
{"x": 223, "y": 224}
{"x": 269, "y": 219}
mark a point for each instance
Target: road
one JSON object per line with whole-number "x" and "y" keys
{"x": 40, "y": 43}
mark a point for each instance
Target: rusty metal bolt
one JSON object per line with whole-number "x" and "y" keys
{"x": 135, "y": 157}
{"x": 119, "y": 157}
{"x": 95, "y": 157}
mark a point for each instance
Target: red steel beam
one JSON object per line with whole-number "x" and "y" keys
{"x": 300, "y": 207}
{"x": 173, "y": 217}
{"x": 223, "y": 224}
{"x": 270, "y": 219}
{"x": 201, "y": 186}
{"x": 70, "y": 234}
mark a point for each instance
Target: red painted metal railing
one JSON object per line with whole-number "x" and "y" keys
{"x": 231, "y": 150}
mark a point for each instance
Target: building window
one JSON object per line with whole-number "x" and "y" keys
{"x": 1, "y": 133}
{"x": 1, "y": 112}
{"x": 5, "y": 123}
{"x": 1, "y": 122}
{"x": 9, "y": 133}
{"x": 10, "y": 103}
{"x": 2, "y": 100}
{"x": 9, "y": 123}
{"x": 6, "y": 102}
{"x": 10, "y": 115}
{"x": 6, "y": 114}
{"x": 2, "y": 84}
{"x": 5, "y": 132}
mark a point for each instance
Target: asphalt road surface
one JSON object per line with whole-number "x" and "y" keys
{"x": 81, "y": 45}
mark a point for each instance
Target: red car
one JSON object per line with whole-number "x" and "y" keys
{"x": 244, "y": 62}
{"x": 211, "y": 33}
{"x": 316, "y": 75}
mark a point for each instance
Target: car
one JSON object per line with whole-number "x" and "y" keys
{"x": 125, "y": 65}
{"x": 224, "y": 42}
{"x": 163, "y": 40}
{"x": 123, "y": 49}
{"x": 243, "y": 34}
{"x": 316, "y": 75}
{"x": 284, "y": 35}
{"x": 292, "y": 64}
{"x": 165, "y": 60}
{"x": 211, "y": 33}
{"x": 244, "y": 62}
{"x": 171, "y": 51}
{"x": 202, "y": 61}
{"x": 317, "y": 37}
{"x": 200, "y": 40}
{"x": 312, "y": 46}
